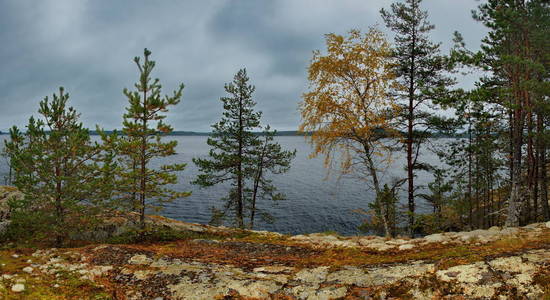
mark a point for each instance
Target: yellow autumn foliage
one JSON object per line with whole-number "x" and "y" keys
{"x": 348, "y": 107}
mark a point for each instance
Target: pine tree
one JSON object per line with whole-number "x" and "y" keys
{"x": 515, "y": 52}
{"x": 16, "y": 138}
{"x": 144, "y": 128}
{"x": 421, "y": 69}
{"x": 59, "y": 170}
{"x": 268, "y": 158}
{"x": 240, "y": 157}
{"x": 385, "y": 208}
{"x": 232, "y": 142}
{"x": 128, "y": 175}
{"x": 437, "y": 197}
{"x": 475, "y": 162}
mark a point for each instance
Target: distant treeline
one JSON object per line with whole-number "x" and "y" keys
{"x": 194, "y": 133}
{"x": 279, "y": 133}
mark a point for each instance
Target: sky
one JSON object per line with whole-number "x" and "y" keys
{"x": 88, "y": 48}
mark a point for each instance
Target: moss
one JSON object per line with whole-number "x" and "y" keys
{"x": 330, "y": 232}
{"x": 400, "y": 291}
{"x": 253, "y": 237}
{"x": 160, "y": 234}
{"x": 41, "y": 288}
{"x": 542, "y": 279}
{"x": 431, "y": 284}
{"x": 11, "y": 265}
{"x": 445, "y": 255}
{"x": 71, "y": 286}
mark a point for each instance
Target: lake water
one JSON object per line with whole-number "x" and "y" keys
{"x": 314, "y": 201}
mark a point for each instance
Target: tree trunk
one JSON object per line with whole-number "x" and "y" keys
{"x": 543, "y": 184}
{"x": 378, "y": 191}
{"x": 470, "y": 200}
{"x": 544, "y": 187}
{"x": 257, "y": 179}
{"x": 9, "y": 181}
{"x": 143, "y": 182}
{"x": 514, "y": 203}
{"x": 133, "y": 193}
{"x": 239, "y": 212}
{"x": 254, "y": 194}
{"x": 58, "y": 209}
{"x": 531, "y": 214}
{"x": 410, "y": 132}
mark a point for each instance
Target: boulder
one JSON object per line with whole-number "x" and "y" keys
{"x": 494, "y": 228}
{"x": 274, "y": 269}
{"x": 17, "y": 288}
{"x": 406, "y": 247}
{"x": 509, "y": 231}
{"x": 331, "y": 292}
{"x": 380, "y": 246}
{"x": 315, "y": 276}
{"x": 140, "y": 259}
{"x": 435, "y": 238}
{"x": 4, "y": 226}
{"x": 6, "y": 194}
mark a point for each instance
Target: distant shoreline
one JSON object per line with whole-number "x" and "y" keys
{"x": 194, "y": 133}
{"x": 279, "y": 133}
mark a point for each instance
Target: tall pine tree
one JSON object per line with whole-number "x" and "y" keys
{"x": 60, "y": 171}
{"x": 240, "y": 157}
{"x": 421, "y": 70}
{"x": 144, "y": 128}
{"x": 515, "y": 52}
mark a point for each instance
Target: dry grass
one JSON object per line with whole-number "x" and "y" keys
{"x": 252, "y": 250}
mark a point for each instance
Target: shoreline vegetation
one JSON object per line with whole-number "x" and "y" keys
{"x": 460, "y": 135}
{"x": 198, "y": 133}
{"x": 368, "y": 99}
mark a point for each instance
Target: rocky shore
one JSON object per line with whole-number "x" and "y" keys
{"x": 221, "y": 263}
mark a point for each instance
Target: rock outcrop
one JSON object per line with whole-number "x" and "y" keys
{"x": 376, "y": 243}
{"x": 6, "y": 194}
{"x": 146, "y": 275}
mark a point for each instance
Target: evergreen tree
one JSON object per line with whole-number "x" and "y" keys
{"x": 232, "y": 142}
{"x": 475, "y": 162}
{"x": 59, "y": 170}
{"x": 128, "y": 175}
{"x": 14, "y": 142}
{"x": 437, "y": 198}
{"x": 267, "y": 158}
{"x": 240, "y": 157}
{"x": 515, "y": 52}
{"x": 143, "y": 128}
{"x": 421, "y": 70}
{"x": 385, "y": 219}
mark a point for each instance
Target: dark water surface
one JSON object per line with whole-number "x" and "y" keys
{"x": 314, "y": 202}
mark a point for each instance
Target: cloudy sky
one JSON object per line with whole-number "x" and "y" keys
{"x": 88, "y": 47}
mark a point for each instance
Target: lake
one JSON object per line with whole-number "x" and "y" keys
{"x": 314, "y": 201}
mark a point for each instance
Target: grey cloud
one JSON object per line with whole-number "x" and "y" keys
{"x": 88, "y": 47}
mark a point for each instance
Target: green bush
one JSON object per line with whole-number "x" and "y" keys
{"x": 157, "y": 234}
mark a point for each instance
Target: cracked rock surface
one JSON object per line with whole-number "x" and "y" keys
{"x": 139, "y": 273}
